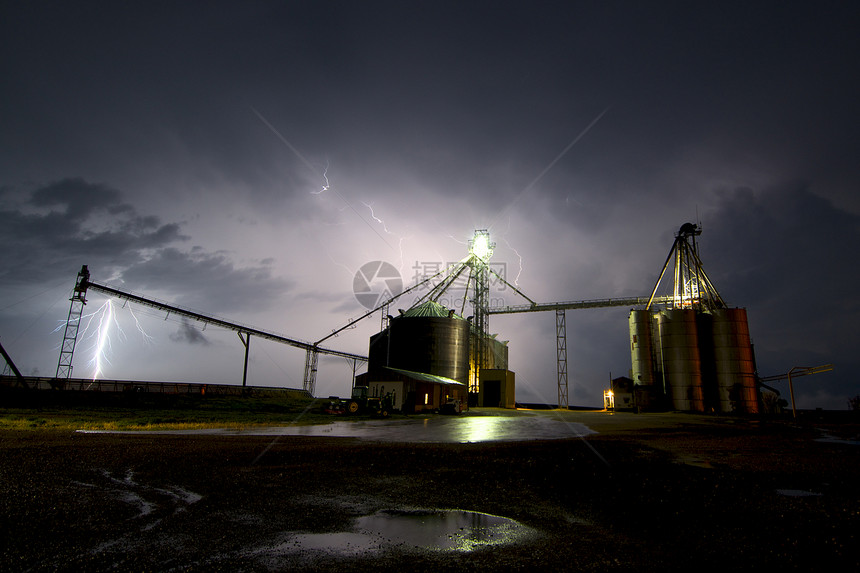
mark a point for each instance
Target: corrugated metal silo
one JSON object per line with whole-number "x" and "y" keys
{"x": 641, "y": 348}
{"x": 437, "y": 345}
{"x": 495, "y": 353}
{"x": 734, "y": 363}
{"x": 682, "y": 369}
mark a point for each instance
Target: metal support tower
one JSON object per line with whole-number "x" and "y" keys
{"x": 18, "y": 376}
{"x": 384, "y": 314}
{"x": 481, "y": 250}
{"x": 691, "y": 286}
{"x": 73, "y": 323}
{"x": 794, "y": 372}
{"x": 246, "y": 342}
{"x": 561, "y": 354}
{"x": 481, "y": 322}
{"x": 310, "y": 380}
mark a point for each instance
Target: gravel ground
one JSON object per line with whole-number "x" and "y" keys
{"x": 642, "y": 495}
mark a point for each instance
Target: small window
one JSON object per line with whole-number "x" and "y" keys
{"x": 426, "y": 399}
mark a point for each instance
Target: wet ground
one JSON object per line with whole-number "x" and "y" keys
{"x": 529, "y": 490}
{"x": 478, "y": 425}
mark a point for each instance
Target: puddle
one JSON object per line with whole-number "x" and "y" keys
{"x": 830, "y": 439}
{"x": 434, "y": 530}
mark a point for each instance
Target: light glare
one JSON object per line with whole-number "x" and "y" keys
{"x": 481, "y": 246}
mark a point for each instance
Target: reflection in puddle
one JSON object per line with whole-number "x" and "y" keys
{"x": 437, "y": 530}
{"x": 829, "y": 439}
{"x": 460, "y": 429}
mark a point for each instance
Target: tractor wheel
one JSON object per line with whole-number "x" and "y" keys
{"x": 384, "y": 413}
{"x": 353, "y": 407}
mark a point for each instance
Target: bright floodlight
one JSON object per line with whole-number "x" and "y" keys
{"x": 481, "y": 246}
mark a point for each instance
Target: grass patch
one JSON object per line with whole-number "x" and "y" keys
{"x": 141, "y": 412}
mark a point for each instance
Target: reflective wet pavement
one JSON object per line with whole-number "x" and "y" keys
{"x": 441, "y": 429}
{"x": 474, "y": 426}
{"x": 465, "y": 428}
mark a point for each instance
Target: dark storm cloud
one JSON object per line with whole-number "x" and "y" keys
{"x": 466, "y": 98}
{"x": 783, "y": 246}
{"x": 79, "y": 199}
{"x": 75, "y": 221}
{"x": 787, "y": 254}
{"x": 187, "y": 333}
{"x": 207, "y": 281}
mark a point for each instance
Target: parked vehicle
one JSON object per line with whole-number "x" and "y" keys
{"x": 334, "y": 406}
{"x": 361, "y": 403}
{"x": 452, "y": 406}
{"x": 358, "y": 400}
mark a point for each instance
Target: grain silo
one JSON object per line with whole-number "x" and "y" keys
{"x": 421, "y": 358}
{"x": 641, "y": 348}
{"x": 695, "y": 350}
{"x": 680, "y": 361}
{"x": 734, "y": 365}
{"x": 430, "y": 338}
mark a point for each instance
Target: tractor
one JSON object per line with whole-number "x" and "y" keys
{"x": 361, "y": 403}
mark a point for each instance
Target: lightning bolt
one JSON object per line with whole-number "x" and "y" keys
{"x": 400, "y": 239}
{"x": 106, "y": 318}
{"x": 313, "y": 170}
{"x": 96, "y": 327}
{"x": 520, "y": 257}
{"x": 327, "y": 185}
{"x": 146, "y": 337}
{"x": 375, "y": 218}
{"x": 350, "y": 272}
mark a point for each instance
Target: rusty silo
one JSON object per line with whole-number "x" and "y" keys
{"x": 733, "y": 361}
{"x": 680, "y": 360}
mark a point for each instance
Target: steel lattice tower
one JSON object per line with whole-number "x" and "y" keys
{"x": 691, "y": 286}
{"x": 561, "y": 357}
{"x": 73, "y": 323}
{"x": 310, "y": 379}
{"x": 480, "y": 249}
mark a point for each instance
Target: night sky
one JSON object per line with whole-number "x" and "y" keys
{"x": 245, "y": 159}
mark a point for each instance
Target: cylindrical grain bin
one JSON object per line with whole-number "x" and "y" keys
{"x": 641, "y": 347}
{"x": 733, "y": 360}
{"x": 421, "y": 340}
{"x": 679, "y": 350}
